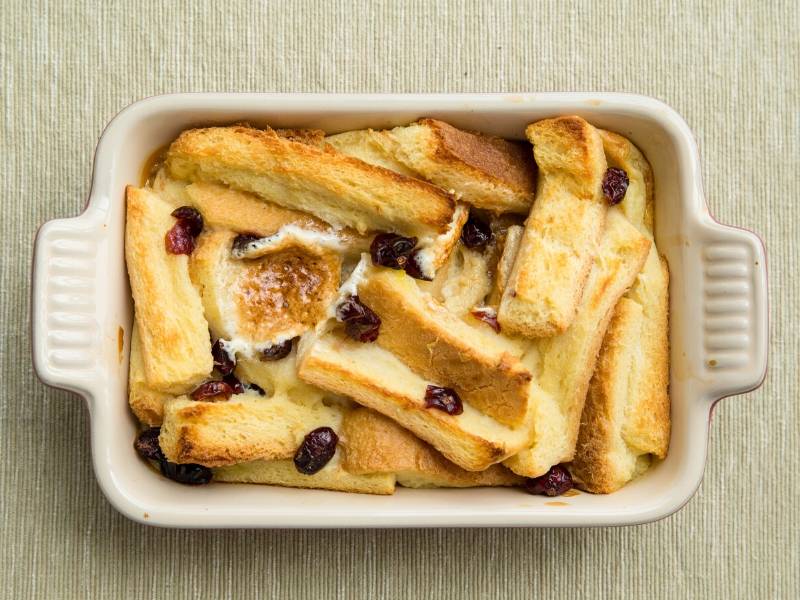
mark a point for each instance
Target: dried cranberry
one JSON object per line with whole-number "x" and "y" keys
{"x": 488, "y": 316}
{"x": 360, "y": 321}
{"x": 256, "y": 388}
{"x": 615, "y": 184}
{"x": 235, "y": 385}
{"x": 277, "y": 351}
{"x": 443, "y": 398}
{"x": 317, "y": 449}
{"x": 240, "y": 241}
{"x": 189, "y": 473}
{"x": 222, "y": 360}
{"x": 180, "y": 239}
{"x": 553, "y": 483}
{"x": 414, "y": 268}
{"x": 391, "y": 250}
{"x": 476, "y": 234}
{"x": 212, "y": 389}
{"x": 147, "y": 446}
{"x": 191, "y": 218}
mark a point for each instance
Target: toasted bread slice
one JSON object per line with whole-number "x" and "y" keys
{"x": 259, "y": 303}
{"x": 485, "y": 171}
{"x": 331, "y": 477}
{"x": 377, "y": 379}
{"x": 172, "y": 329}
{"x": 567, "y": 361}
{"x": 342, "y": 190}
{"x": 562, "y": 231}
{"x": 145, "y": 402}
{"x": 246, "y": 427}
{"x": 462, "y": 282}
{"x": 439, "y": 346}
{"x": 603, "y": 461}
{"x": 376, "y": 444}
{"x": 511, "y": 243}
{"x": 373, "y": 147}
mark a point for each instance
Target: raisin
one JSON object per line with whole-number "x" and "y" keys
{"x": 615, "y": 185}
{"x": 189, "y": 473}
{"x": 360, "y": 321}
{"x": 181, "y": 238}
{"x": 488, "y": 316}
{"x": 553, "y": 483}
{"x": 476, "y": 234}
{"x": 391, "y": 250}
{"x": 212, "y": 389}
{"x": 147, "y": 446}
{"x": 414, "y": 269}
{"x": 235, "y": 385}
{"x": 191, "y": 218}
{"x": 317, "y": 449}
{"x": 443, "y": 398}
{"x": 222, "y": 360}
{"x": 240, "y": 241}
{"x": 277, "y": 351}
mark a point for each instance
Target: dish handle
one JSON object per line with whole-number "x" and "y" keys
{"x": 64, "y": 313}
{"x": 735, "y": 310}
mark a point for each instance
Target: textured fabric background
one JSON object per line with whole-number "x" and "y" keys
{"x": 731, "y": 69}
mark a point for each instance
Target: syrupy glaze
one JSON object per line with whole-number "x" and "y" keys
{"x": 151, "y": 166}
{"x": 120, "y": 342}
{"x": 556, "y": 504}
{"x": 285, "y": 291}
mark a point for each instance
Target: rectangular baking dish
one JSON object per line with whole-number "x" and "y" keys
{"x": 81, "y": 313}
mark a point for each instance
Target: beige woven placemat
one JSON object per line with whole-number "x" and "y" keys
{"x": 731, "y": 68}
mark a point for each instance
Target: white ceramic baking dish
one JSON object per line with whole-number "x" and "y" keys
{"x": 81, "y": 313}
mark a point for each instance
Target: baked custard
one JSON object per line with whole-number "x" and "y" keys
{"x": 421, "y": 306}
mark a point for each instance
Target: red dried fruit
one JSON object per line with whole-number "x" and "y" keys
{"x": 188, "y": 473}
{"x": 391, "y": 250}
{"x": 615, "y": 185}
{"x": 553, "y": 483}
{"x": 443, "y": 398}
{"x": 240, "y": 241}
{"x": 147, "y": 446}
{"x": 222, "y": 360}
{"x": 488, "y": 316}
{"x": 360, "y": 321}
{"x": 414, "y": 269}
{"x": 277, "y": 351}
{"x": 234, "y": 383}
{"x": 180, "y": 239}
{"x": 212, "y": 390}
{"x": 317, "y": 449}
{"x": 476, "y": 234}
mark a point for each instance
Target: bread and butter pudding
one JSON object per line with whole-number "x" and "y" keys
{"x": 421, "y": 306}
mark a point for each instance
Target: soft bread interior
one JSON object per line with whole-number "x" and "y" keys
{"x": 440, "y": 347}
{"x": 145, "y": 402}
{"x": 376, "y": 444}
{"x": 331, "y": 477}
{"x": 258, "y": 303}
{"x": 567, "y": 361}
{"x": 377, "y": 379}
{"x": 172, "y": 329}
{"x": 562, "y": 231}
{"x": 373, "y": 147}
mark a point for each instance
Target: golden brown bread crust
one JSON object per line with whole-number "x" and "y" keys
{"x": 340, "y": 189}
{"x": 439, "y": 346}
{"x": 145, "y": 402}
{"x": 376, "y": 444}
{"x": 488, "y": 172}
{"x": 275, "y": 297}
{"x": 246, "y": 427}
{"x": 310, "y": 137}
{"x": 562, "y": 230}
{"x": 172, "y": 329}
{"x": 568, "y": 360}
{"x": 377, "y": 379}
{"x": 283, "y": 472}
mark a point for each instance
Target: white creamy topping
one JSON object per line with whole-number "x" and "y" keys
{"x": 288, "y": 235}
{"x": 426, "y": 255}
